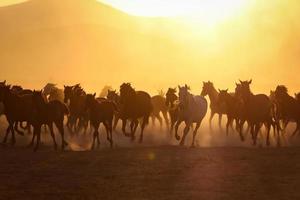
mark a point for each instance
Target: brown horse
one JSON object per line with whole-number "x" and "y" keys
{"x": 100, "y": 112}
{"x": 49, "y": 113}
{"x": 233, "y": 109}
{"x": 257, "y": 110}
{"x": 113, "y": 96}
{"x": 172, "y": 104}
{"x": 288, "y": 106}
{"x": 17, "y": 109}
{"x": 76, "y": 97}
{"x": 134, "y": 105}
{"x": 159, "y": 106}
{"x": 215, "y": 106}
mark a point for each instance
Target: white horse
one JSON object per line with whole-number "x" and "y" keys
{"x": 192, "y": 109}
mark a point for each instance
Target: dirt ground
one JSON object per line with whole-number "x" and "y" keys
{"x": 221, "y": 167}
{"x": 162, "y": 172}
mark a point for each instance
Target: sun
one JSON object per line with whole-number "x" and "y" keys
{"x": 209, "y": 12}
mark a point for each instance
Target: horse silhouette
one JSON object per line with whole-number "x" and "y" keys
{"x": 53, "y": 93}
{"x": 134, "y": 105}
{"x": 288, "y": 106}
{"x": 257, "y": 110}
{"x": 76, "y": 97}
{"x": 18, "y": 108}
{"x": 172, "y": 104}
{"x": 100, "y": 112}
{"x": 49, "y": 113}
{"x": 233, "y": 109}
{"x": 192, "y": 109}
{"x": 113, "y": 96}
{"x": 159, "y": 106}
{"x": 215, "y": 106}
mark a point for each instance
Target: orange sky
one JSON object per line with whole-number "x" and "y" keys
{"x": 258, "y": 40}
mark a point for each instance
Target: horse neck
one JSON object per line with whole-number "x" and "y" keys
{"x": 213, "y": 95}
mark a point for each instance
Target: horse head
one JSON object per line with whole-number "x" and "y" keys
{"x": 183, "y": 95}
{"x": 68, "y": 92}
{"x": 223, "y": 94}
{"x": 171, "y": 96}
{"x": 207, "y": 87}
{"x": 126, "y": 92}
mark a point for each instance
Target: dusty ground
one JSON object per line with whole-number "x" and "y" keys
{"x": 158, "y": 169}
{"x": 162, "y": 172}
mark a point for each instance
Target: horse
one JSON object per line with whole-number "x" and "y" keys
{"x": 134, "y": 105}
{"x": 100, "y": 112}
{"x": 192, "y": 109}
{"x": 49, "y": 113}
{"x": 113, "y": 96}
{"x": 172, "y": 104}
{"x": 51, "y": 92}
{"x": 159, "y": 106}
{"x": 297, "y": 97}
{"x": 215, "y": 106}
{"x": 17, "y": 109}
{"x": 289, "y": 107}
{"x": 257, "y": 110}
{"x": 76, "y": 95}
{"x": 233, "y": 109}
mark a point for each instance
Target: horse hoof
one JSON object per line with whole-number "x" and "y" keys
{"x": 177, "y": 137}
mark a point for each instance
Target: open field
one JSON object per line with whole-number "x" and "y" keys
{"x": 162, "y": 172}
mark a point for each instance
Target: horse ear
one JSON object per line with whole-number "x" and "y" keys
{"x": 250, "y": 81}
{"x": 236, "y": 84}
{"x": 179, "y": 87}
{"x": 94, "y": 94}
{"x": 64, "y": 86}
{"x": 226, "y": 90}
{"x": 4, "y": 82}
{"x": 240, "y": 81}
{"x": 219, "y": 90}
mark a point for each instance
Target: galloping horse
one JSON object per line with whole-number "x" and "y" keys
{"x": 100, "y": 112}
{"x": 192, "y": 109}
{"x": 257, "y": 110}
{"x": 288, "y": 106}
{"x": 49, "y": 113}
{"x": 215, "y": 106}
{"x": 113, "y": 96}
{"x": 172, "y": 104}
{"x": 159, "y": 106}
{"x": 76, "y": 95}
{"x": 134, "y": 105}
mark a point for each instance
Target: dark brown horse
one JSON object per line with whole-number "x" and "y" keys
{"x": 215, "y": 106}
{"x": 233, "y": 109}
{"x": 134, "y": 105}
{"x": 49, "y": 113}
{"x": 159, "y": 106}
{"x": 257, "y": 110}
{"x": 172, "y": 104}
{"x": 17, "y": 109}
{"x": 113, "y": 96}
{"x": 100, "y": 112}
{"x": 76, "y": 97}
{"x": 289, "y": 107}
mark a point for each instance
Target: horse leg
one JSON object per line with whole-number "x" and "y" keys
{"x": 220, "y": 121}
{"x": 160, "y": 121}
{"x": 176, "y": 129}
{"x": 108, "y": 135}
{"x": 17, "y": 130}
{"x": 165, "y": 116}
{"x": 32, "y": 140}
{"x": 268, "y": 126}
{"x": 185, "y": 132}
{"x": 195, "y": 133}
{"x": 145, "y": 121}
{"x": 153, "y": 119}
{"x": 210, "y": 119}
{"x": 60, "y": 126}
{"x": 124, "y": 121}
{"x": 96, "y": 127}
{"x": 37, "y": 131}
{"x": 110, "y": 128}
{"x": 116, "y": 119}
{"x": 13, "y": 138}
{"x": 6, "y": 134}
{"x": 229, "y": 121}
{"x": 52, "y": 135}
{"x": 297, "y": 129}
